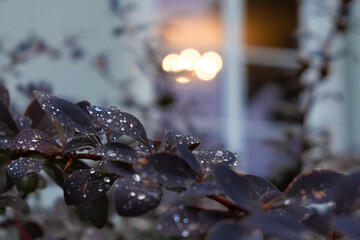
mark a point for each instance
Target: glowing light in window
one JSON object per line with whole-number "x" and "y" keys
{"x": 182, "y": 79}
{"x": 191, "y": 57}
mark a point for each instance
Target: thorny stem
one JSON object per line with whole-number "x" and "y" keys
{"x": 24, "y": 235}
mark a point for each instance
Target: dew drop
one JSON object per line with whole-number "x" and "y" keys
{"x": 34, "y": 140}
{"x": 111, "y": 153}
{"x": 98, "y": 109}
{"x": 176, "y": 217}
{"x": 136, "y": 177}
{"x": 131, "y": 125}
{"x": 185, "y": 233}
{"x": 100, "y": 189}
{"x": 186, "y": 220}
{"x": 287, "y": 202}
{"x": 92, "y": 171}
{"x": 219, "y": 154}
{"x": 31, "y": 148}
{"x": 132, "y": 194}
{"x": 141, "y": 196}
{"x": 109, "y": 120}
{"x": 159, "y": 227}
{"x": 106, "y": 179}
{"x": 84, "y": 195}
{"x": 177, "y": 135}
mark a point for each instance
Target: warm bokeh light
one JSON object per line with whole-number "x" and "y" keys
{"x": 191, "y": 57}
{"x": 182, "y": 79}
{"x": 169, "y": 61}
{"x": 205, "y": 67}
{"x": 215, "y": 57}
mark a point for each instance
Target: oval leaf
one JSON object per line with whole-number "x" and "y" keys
{"x": 115, "y": 151}
{"x": 7, "y": 119}
{"x": 95, "y": 211}
{"x": 24, "y": 166}
{"x": 35, "y": 140}
{"x": 167, "y": 169}
{"x": 134, "y": 198}
{"x": 86, "y": 185}
{"x": 122, "y": 123}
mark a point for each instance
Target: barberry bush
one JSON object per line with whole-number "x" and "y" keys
{"x": 60, "y": 138}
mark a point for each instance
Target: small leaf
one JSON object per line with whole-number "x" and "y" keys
{"x": 80, "y": 144}
{"x": 66, "y": 112}
{"x": 115, "y": 151}
{"x": 7, "y": 119}
{"x": 172, "y": 140}
{"x": 24, "y": 166}
{"x": 122, "y": 123}
{"x": 95, "y": 211}
{"x": 134, "y": 198}
{"x": 314, "y": 186}
{"x": 262, "y": 186}
{"x": 28, "y": 184}
{"x": 167, "y": 169}
{"x": 279, "y": 226}
{"x": 39, "y": 119}
{"x": 35, "y": 140}
{"x": 86, "y": 185}
{"x": 23, "y": 123}
{"x": 13, "y": 202}
{"x": 209, "y": 158}
{"x": 229, "y": 230}
{"x": 237, "y": 187}
{"x": 347, "y": 193}
{"x": 191, "y": 160}
{"x": 348, "y": 225}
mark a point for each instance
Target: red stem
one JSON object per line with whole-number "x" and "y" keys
{"x": 24, "y": 235}
{"x": 231, "y": 206}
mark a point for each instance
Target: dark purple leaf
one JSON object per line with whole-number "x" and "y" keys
{"x": 121, "y": 168}
{"x": 33, "y": 230}
{"x": 86, "y": 185}
{"x": 134, "y": 197}
{"x": 28, "y": 184}
{"x": 84, "y": 106}
{"x": 95, "y": 211}
{"x": 314, "y": 186}
{"x": 56, "y": 174}
{"x": 203, "y": 189}
{"x": 5, "y": 143}
{"x": 172, "y": 140}
{"x": 320, "y": 221}
{"x": 347, "y": 193}
{"x": 23, "y": 166}
{"x": 80, "y": 144}
{"x": 7, "y": 119}
{"x": 35, "y": 140}
{"x": 348, "y": 225}
{"x": 4, "y": 95}
{"x": 23, "y": 123}
{"x": 188, "y": 221}
{"x": 141, "y": 149}
{"x": 262, "y": 186}
{"x": 279, "y": 226}
{"x": 66, "y": 112}
{"x": 191, "y": 160}
{"x": 208, "y": 158}
{"x": 297, "y": 212}
{"x": 122, "y": 123}
{"x": 39, "y": 119}
{"x": 115, "y": 151}
{"x": 237, "y": 187}
{"x": 229, "y": 230}
{"x": 167, "y": 169}
{"x": 13, "y": 202}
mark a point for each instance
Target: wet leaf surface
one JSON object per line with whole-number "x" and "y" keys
{"x": 23, "y": 123}
{"x": 121, "y": 168}
{"x": 191, "y": 160}
{"x": 80, "y": 144}
{"x": 7, "y": 119}
{"x": 35, "y": 140}
{"x": 262, "y": 187}
{"x": 188, "y": 221}
{"x": 173, "y": 139}
{"x": 13, "y": 202}
{"x": 66, "y": 112}
{"x": 141, "y": 148}
{"x": 134, "y": 197}
{"x": 279, "y": 226}
{"x": 86, "y": 185}
{"x": 314, "y": 186}
{"x": 95, "y": 211}
{"x": 349, "y": 226}
{"x": 347, "y": 193}
{"x": 229, "y": 230}
{"x": 115, "y": 151}
{"x": 39, "y": 119}
{"x": 167, "y": 169}
{"x": 209, "y": 158}
{"x": 237, "y": 187}
{"x": 122, "y": 123}
{"x": 23, "y": 166}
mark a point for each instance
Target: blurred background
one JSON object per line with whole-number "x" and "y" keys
{"x": 274, "y": 81}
